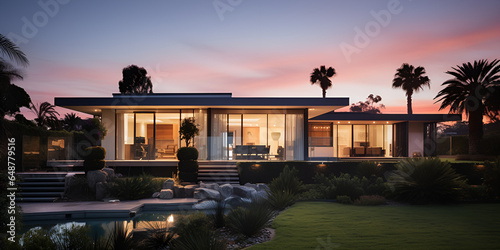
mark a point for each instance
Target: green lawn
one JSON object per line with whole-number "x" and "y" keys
{"x": 325, "y": 225}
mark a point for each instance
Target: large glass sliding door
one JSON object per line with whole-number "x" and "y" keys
{"x": 144, "y": 137}
{"x": 256, "y": 136}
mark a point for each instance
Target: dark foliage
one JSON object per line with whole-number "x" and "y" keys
{"x": 368, "y": 106}
{"x": 187, "y": 153}
{"x": 135, "y": 81}
{"x": 422, "y": 181}
{"x": 322, "y": 76}
{"x": 188, "y": 130}
{"x": 134, "y": 188}
{"x": 492, "y": 178}
{"x": 251, "y": 219}
{"x": 94, "y": 158}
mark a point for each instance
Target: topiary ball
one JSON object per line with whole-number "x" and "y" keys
{"x": 187, "y": 153}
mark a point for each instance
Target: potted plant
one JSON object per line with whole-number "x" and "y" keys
{"x": 188, "y": 156}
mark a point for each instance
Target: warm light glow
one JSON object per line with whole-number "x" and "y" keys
{"x": 170, "y": 218}
{"x": 349, "y": 122}
{"x": 373, "y": 122}
{"x": 338, "y": 122}
{"x": 387, "y": 122}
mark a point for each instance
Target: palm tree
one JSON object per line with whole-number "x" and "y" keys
{"x": 411, "y": 80}
{"x": 12, "y": 97}
{"x": 322, "y": 76}
{"x": 46, "y": 115}
{"x": 473, "y": 90}
{"x": 72, "y": 122}
{"x": 12, "y": 51}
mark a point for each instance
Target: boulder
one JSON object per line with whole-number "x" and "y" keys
{"x": 226, "y": 190}
{"x": 205, "y": 193}
{"x": 166, "y": 194}
{"x": 110, "y": 172}
{"x": 213, "y": 186}
{"x": 250, "y": 185}
{"x": 156, "y": 195}
{"x": 244, "y": 192}
{"x": 179, "y": 191}
{"x": 189, "y": 190}
{"x": 169, "y": 184}
{"x": 205, "y": 205}
{"x": 100, "y": 191}
{"x": 259, "y": 195}
{"x": 262, "y": 187}
{"x": 96, "y": 176}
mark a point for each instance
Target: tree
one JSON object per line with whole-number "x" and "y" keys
{"x": 72, "y": 122}
{"x": 411, "y": 80}
{"x": 473, "y": 90}
{"x": 46, "y": 115}
{"x": 135, "y": 81}
{"x": 368, "y": 106}
{"x": 12, "y": 51}
{"x": 322, "y": 76}
{"x": 12, "y": 97}
{"x": 188, "y": 130}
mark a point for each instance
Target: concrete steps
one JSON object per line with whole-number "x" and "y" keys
{"x": 40, "y": 187}
{"x": 218, "y": 172}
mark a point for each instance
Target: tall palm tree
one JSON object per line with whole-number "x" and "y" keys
{"x": 411, "y": 80}
{"x": 72, "y": 122}
{"x": 474, "y": 90}
{"x": 322, "y": 76}
{"x": 46, "y": 115}
{"x": 12, "y": 51}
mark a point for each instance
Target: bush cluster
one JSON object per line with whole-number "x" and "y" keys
{"x": 94, "y": 158}
{"x": 344, "y": 185}
{"x": 422, "y": 181}
{"x": 284, "y": 189}
{"x": 188, "y": 164}
{"x": 134, "y": 188}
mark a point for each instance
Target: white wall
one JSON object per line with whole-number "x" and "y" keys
{"x": 415, "y": 138}
{"x": 320, "y": 151}
{"x": 108, "y": 119}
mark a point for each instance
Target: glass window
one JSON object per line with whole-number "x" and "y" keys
{"x": 344, "y": 139}
{"x": 320, "y": 134}
{"x": 294, "y": 148}
{"x": 276, "y": 137}
{"x": 254, "y": 129}
{"x": 144, "y": 136}
{"x": 167, "y": 135}
{"x": 218, "y": 140}
{"x": 375, "y": 141}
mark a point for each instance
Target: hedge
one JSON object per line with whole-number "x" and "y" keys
{"x": 265, "y": 172}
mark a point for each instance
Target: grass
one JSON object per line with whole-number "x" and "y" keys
{"x": 325, "y": 225}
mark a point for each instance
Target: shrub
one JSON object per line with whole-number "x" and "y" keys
{"x": 344, "y": 199}
{"x": 157, "y": 238}
{"x": 492, "y": 178}
{"x": 325, "y": 186}
{"x": 133, "y": 188}
{"x": 121, "y": 238}
{"x": 286, "y": 181}
{"x": 199, "y": 239}
{"x": 370, "y": 169}
{"x": 94, "y": 158}
{"x": 38, "y": 239}
{"x": 184, "y": 223}
{"x": 421, "y": 181}
{"x": 73, "y": 237}
{"x": 370, "y": 200}
{"x": 345, "y": 185}
{"x": 374, "y": 187}
{"x": 279, "y": 200}
{"x": 187, "y": 153}
{"x": 250, "y": 220}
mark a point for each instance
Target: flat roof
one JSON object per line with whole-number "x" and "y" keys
{"x": 94, "y": 105}
{"x": 359, "y": 116}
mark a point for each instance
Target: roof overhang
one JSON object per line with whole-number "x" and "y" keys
{"x": 158, "y": 102}
{"x": 357, "y": 117}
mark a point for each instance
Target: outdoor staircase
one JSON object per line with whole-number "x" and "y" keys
{"x": 218, "y": 172}
{"x": 40, "y": 187}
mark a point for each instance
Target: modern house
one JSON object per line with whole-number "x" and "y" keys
{"x": 145, "y": 127}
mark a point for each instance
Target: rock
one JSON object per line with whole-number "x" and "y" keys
{"x": 100, "y": 191}
{"x": 110, "y": 172}
{"x": 259, "y": 195}
{"x": 94, "y": 177}
{"x": 189, "y": 190}
{"x": 235, "y": 201}
{"x": 226, "y": 190}
{"x": 169, "y": 184}
{"x": 166, "y": 194}
{"x": 262, "y": 187}
{"x": 205, "y": 193}
{"x": 213, "y": 186}
{"x": 250, "y": 185}
{"x": 179, "y": 192}
{"x": 156, "y": 195}
{"x": 244, "y": 192}
{"x": 206, "y": 205}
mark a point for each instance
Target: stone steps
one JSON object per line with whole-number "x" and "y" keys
{"x": 40, "y": 187}
{"x": 219, "y": 172}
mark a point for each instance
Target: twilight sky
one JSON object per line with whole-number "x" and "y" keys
{"x": 248, "y": 47}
